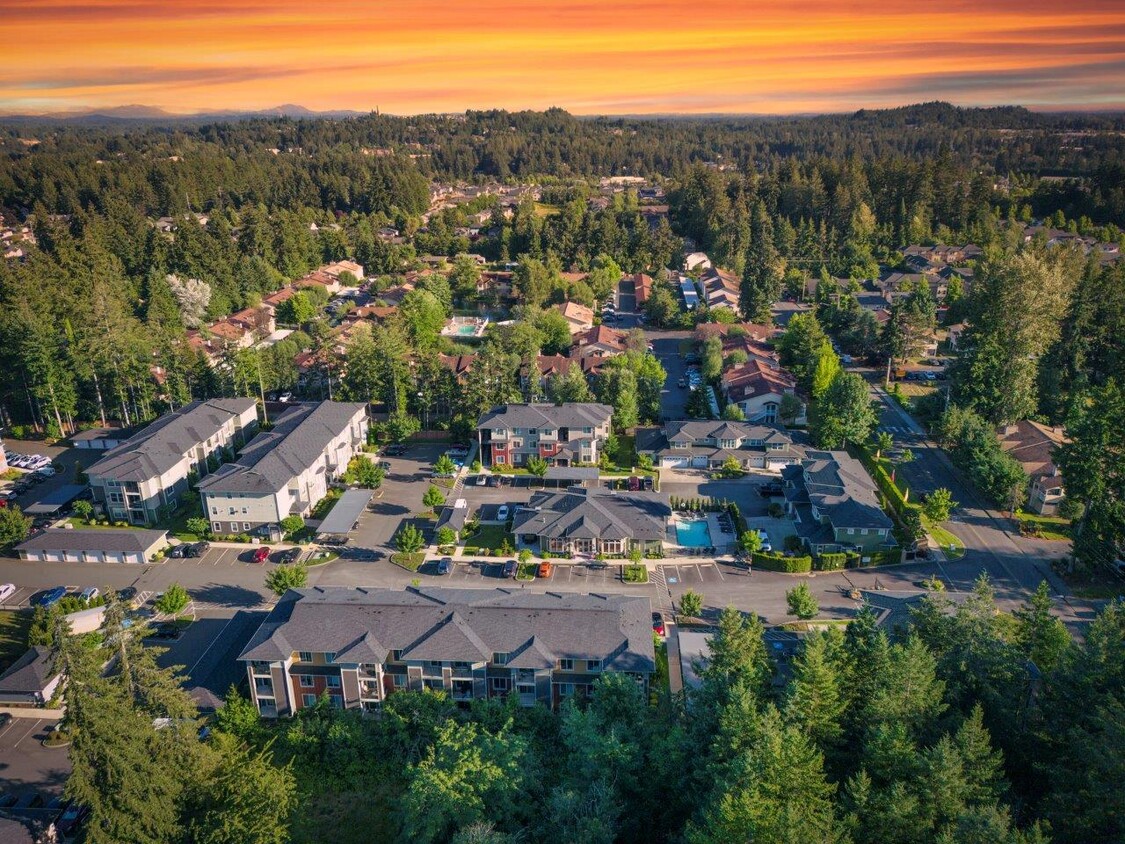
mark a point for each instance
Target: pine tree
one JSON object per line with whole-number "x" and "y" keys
{"x": 815, "y": 701}
{"x": 1040, "y": 635}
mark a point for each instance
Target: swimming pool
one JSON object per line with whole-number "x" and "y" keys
{"x": 467, "y": 330}
{"x": 693, "y": 534}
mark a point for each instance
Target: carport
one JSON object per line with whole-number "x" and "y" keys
{"x": 566, "y": 476}
{"x": 55, "y": 500}
{"x": 342, "y": 519}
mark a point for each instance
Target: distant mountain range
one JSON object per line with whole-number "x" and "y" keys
{"x": 144, "y": 112}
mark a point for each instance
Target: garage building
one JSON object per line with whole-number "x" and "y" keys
{"x": 93, "y": 546}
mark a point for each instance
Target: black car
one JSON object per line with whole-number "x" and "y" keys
{"x": 70, "y": 818}
{"x": 395, "y": 450}
{"x": 290, "y": 555}
{"x": 770, "y": 489}
{"x": 197, "y": 549}
{"x": 178, "y": 552}
{"x": 509, "y": 569}
{"x": 127, "y": 594}
{"x": 165, "y": 630}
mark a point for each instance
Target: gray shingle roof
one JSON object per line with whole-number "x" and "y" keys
{"x": 702, "y": 429}
{"x": 840, "y": 488}
{"x": 569, "y": 415}
{"x": 125, "y": 540}
{"x": 364, "y": 625}
{"x": 582, "y": 513}
{"x": 32, "y": 672}
{"x": 273, "y": 458}
{"x": 163, "y": 444}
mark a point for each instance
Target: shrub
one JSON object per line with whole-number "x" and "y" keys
{"x": 433, "y": 497}
{"x": 198, "y": 525}
{"x": 830, "y": 562}
{"x": 636, "y": 574}
{"x": 292, "y": 524}
{"x": 409, "y": 540}
{"x": 779, "y": 562}
{"x": 775, "y": 510}
{"x": 525, "y": 555}
{"x": 793, "y": 543}
{"x": 283, "y": 578}
{"x": 174, "y": 599}
{"x": 446, "y": 536}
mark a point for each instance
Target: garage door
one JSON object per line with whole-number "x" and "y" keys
{"x": 699, "y": 462}
{"x": 675, "y": 462}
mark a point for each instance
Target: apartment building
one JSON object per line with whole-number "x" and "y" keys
{"x": 834, "y": 504}
{"x": 359, "y": 645}
{"x": 285, "y": 471}
{"x": 147, "y": 475}
{"x": 563, "y": 434}
{"x": 709, "y": 443}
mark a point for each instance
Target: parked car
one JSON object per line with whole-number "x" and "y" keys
{"x": 261, "y": 554}
{"x": 509, "y": 569}
{"x": 198, "y": 549}
{"x": 481, "y": 480}
{"x": 164, "y": 630}
{"x": 127, "y": 595}
{"x": 385, "y": 465}
{"x": 178, "y": 552}
{"x": 458, "y": 451}
{"x": 396, "y": 450}
{"x": 767, "y": 490}
{"x": 290, "y": 555}
{"x": 47, "y": 471}
{"x": 494, "y": 480}
{"x": 8, "y": 800}
{"x": 5, "y": 719}
{"x": 7, "y": 590}
{"x": 285, "y": 398}
{"x": 89, "y": 593}
{"x": 502, "y": 513}
{"x": 658, "y": 624}
{"x": 445, "y": 565}
{"x": 546, "y": 569}
{"x": 51, "y": 596}
{"x": 34, "y": 800}
{"x": 766, "y": 546}
{"x": 70, "y": 818}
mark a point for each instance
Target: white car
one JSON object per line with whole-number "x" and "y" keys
{"x": 766, "y": 546}
{"x": 47, "y": 471}
{"x": 7, "y": 590}
{"x": 285, "y": 398}
{"x": 89, "y": 593}
{"x": 502, "y": 513}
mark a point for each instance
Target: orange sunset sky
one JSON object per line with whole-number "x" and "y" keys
{"x": 613, "y": 56}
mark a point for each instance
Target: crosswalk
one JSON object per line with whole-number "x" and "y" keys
{"x": 662, "y": 600}
{"x": 898, "y": 430}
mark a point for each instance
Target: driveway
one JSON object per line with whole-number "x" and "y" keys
{"x": 25, "y": 764}
{"x": 666, "y": 347}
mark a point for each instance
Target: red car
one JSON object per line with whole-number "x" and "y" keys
{"x": 658, "y": 624}
{"x": 261, "y": 555}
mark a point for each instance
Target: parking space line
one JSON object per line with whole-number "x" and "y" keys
{"x": 34, "y": 727}
{"x": 718, "y": 571}
{"x": 191, "y": 671}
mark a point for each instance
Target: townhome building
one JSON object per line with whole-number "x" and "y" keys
{"x": 709, "y": 443}
{"x": 357, "y": 646}
{"x": 1033, "y": 445}
{"x": 285, "y": 471}
{"x": 758, "y": 389}
{"x": 587, "y": 522}
{"x": 148, "y": 475}
{"x": 835, "y": 505}
{"x": 563, "y": 434}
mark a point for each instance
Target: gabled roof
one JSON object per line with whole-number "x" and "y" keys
{"x": 32, "y": 672}
{"x": 77, "y": 540}
{"x": 163, "y": 444}
{"x": 588, "y": 514}
{"x": 839, "y": 487}
{"x": 1033, "y": 445}
{"x": 600, "y": 335}
{"x": 273, "y": 458}
{"x": 719, "y": 429}
{"x": 568, "y": 415}
{"x": 533, "y": 628}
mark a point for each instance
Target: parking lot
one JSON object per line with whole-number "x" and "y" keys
{"x": 25, "y": 764}
{"x": 689, "y": 574}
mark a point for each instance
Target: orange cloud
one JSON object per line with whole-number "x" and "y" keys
{"x": 589, "y": 56}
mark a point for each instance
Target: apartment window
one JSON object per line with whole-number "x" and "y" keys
{"x": 231, "y": 511}
{"x": 304, "y": 656}
{"x": 337, "y": 701}
{"x": 532, "y": 431}
{"x": 333, "y": 682}
{"x": 863, "y": 531}
{"x": 396, "y": 656}
{"x": 400, "y": 680}
{"x": 308, "y": 700}
{"x": 526, "y": 689}
{"x": 214, "y": 511}
{"x": 501, "y": 684}
{"x": 234, "y": 526}
{"x": 851, "y": 531}
{"x": 217, "y": 527}
{"x": 244, "y": 511}
{"x": 500, "y": 658}
{"x": 435, "y": 663}
{"x": 499, "y": 458}
{"x": 461, "y": 664}
{"x": 305, "y": 680}
{"x": 246, "y": 526}
{"x": 566, "y": 665}
{"x": 566, "y": 689}
{"x": 593, "y": 665}
{"x": 330, "y": 657}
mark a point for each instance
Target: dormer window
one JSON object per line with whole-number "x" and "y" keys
{"x": 499, "y": 658}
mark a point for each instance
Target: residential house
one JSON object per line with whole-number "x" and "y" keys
{"x": 562, "y": 434}
{"x": 273, "y": 300}
{"x": 721, "y": 289}
{"x": 285, "y": 471}
{"x": 709, "y": 443}
{"x": 459, "y": 365}
{"x": 257, "y": 322}
{"x": 360, "y": 645}
{"x": 955, "y": 332}
{"x": 337, "y": 268}
{"x": 149, "y": 473}
{"x": 758, "y": 389}
{"x": 588, "y": 522}
{"x": 599, "y": 341}
{"x": 59, "y": 545}
{"x": 579, "y": 316}
{"x": 835, "y": 505}
{"x": 756, "y": 332}
{"x": 1033, "y": 445}
{"x": 318, "y": 278}
{"x": 32, "y": 680}
{"x": 697, "y": 261}
{"x": 642, "y": 288}
{"x": 551, "y": 365}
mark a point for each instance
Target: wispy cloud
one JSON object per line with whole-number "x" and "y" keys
{"x": 585, "y": 55}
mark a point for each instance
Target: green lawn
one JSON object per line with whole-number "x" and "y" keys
{"x": 14, "y": 626}
{"x": 953, "y": 547}
{"x": 1050, "y": 527}
{"x": 490, "y": 537}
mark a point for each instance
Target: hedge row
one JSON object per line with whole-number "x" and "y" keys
{"x": 779, "y": 562}
{"x": 830, "y": 562}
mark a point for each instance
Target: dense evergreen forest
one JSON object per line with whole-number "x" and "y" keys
{"x": 970, "y": 727}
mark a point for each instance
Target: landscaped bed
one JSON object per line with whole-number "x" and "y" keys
{"x": 409, "y": 561}
{"x": 1044, "y": 527}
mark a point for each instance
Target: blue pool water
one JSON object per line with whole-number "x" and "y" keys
{"x": 693, "y": 534}
{"x": 466, "y": 330}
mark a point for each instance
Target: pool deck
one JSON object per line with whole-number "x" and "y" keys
{"x": 722, "y": 542}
